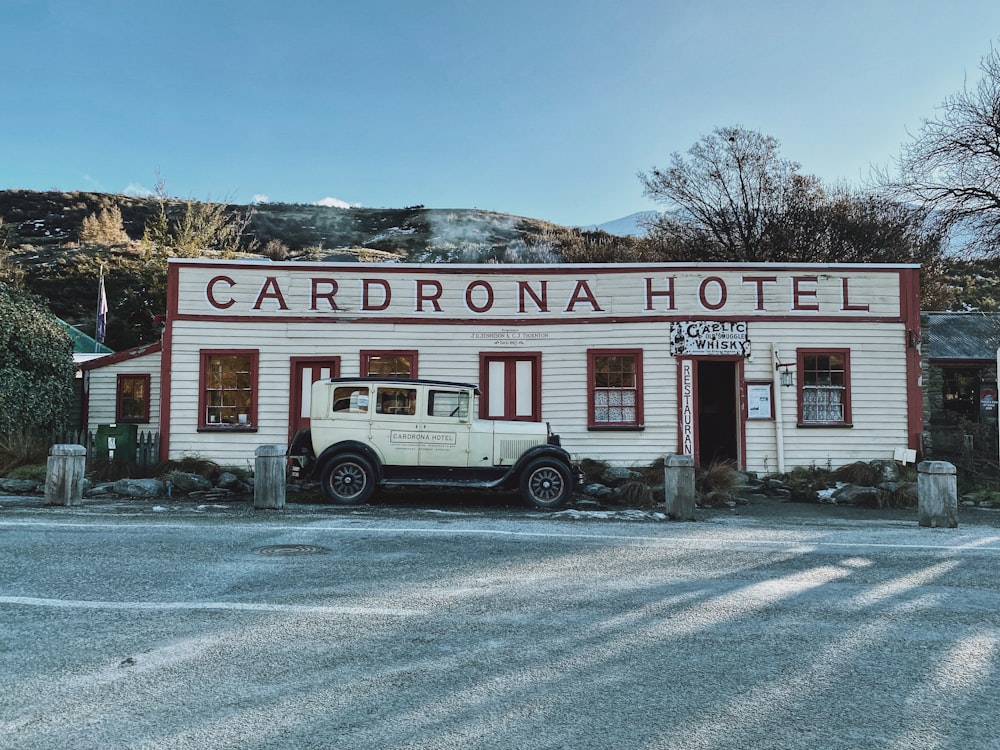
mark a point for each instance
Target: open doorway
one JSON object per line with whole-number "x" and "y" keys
{"x": 718, "y": 412}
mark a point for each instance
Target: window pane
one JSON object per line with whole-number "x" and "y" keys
{"x": 396, "y": 401}
{"x": 390, "y": 365}
{"x": 615, "y": 395}
{"x": 229, "y": 389}
{"x": 824, "y": 391}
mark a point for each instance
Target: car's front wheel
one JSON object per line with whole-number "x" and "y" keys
{"x": 348, "y": 480}
{"x": 546, "y": 483}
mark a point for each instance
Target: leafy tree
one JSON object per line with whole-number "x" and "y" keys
{"x": 36, "y": 365}
{"x": 952, "y": 165}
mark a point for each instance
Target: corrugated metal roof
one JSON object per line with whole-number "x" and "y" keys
{"x": 962, "y": 335}
{"x": 82, "y": 343}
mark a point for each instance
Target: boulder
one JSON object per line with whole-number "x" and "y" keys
{"x": 852, "y": 494}
{"x": 18, "y": 486}
{"x": 140, "y": 487}
{"x": 889, "y": 470}
{"x": 228, "y": 481}
{"x": 598, "y": 491}
{"x": 615, "y": 476}
{"x": 187, "y": 482}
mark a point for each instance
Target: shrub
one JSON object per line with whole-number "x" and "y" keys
{"x": 32, "y": 472}
{"x": 859, "y": 473}
{"x": 104, "y": 228}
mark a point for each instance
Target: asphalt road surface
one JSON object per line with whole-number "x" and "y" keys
{"x": 150, "y": 626}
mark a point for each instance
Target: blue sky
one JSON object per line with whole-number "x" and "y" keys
{"x": 541, "y": 108}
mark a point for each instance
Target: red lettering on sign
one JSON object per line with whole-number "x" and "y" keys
{"x": 328, "y": 295}
{"x": 489, "y": 296}
{"x": 541, "y": 300}
{"x": 798, "y": 293}
{"x": 668, "y": 293}
{"x": 366, "y": 303}
{"x": 210, "y": 292}
{"x": 582, "y": 293}
{"x": 270, "y": 290}
{"x": 433, "y": 296}
{"x": 704, "y": 297}
{"x": 846, "y": 304}
{"x": 760, "y": 281}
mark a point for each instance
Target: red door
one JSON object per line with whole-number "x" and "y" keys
{"x": 511, "y": 386}
{"x": 305, "y": 372}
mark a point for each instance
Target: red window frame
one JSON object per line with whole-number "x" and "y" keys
{"x": 121, "y": 397}
{"x": 592, "y": 389}
{"x": 368, "y": 354}
{"x": 205, "y": 357}
{"x": 808, "y": 369}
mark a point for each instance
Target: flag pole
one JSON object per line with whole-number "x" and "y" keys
{"x": 101, "y": 322}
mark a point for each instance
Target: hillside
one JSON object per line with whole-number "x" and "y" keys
{"x": 48, "y": 222}
{"x": 40, "y": 246}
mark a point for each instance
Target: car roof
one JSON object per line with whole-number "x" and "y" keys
{"x": 403, "y": 381}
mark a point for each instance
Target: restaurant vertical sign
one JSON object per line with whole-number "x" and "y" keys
{"x": 687, "y": 407}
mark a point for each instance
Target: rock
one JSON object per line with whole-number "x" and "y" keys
{"x": 889, "y": 470}
{"x": 140, "y": 487}
{"x": 852, "y": 494}
{"x": 228, "y": 481}
{"x": 186, "y": 482}
{"x": 597, "y": 490}
{"x": 615, "y": 476}
{"x": 18, "y": 486}
{"x": 97, "y": 490}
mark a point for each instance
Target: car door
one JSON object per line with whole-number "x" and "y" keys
{"x": 394, "y": 424}
{"x": 445, "y": 422}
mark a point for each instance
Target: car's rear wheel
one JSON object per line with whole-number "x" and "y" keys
{"x": 546, "y": 483}
{"x": 348, "y": 480}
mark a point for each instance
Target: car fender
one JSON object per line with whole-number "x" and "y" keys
{"x": 546, "y": 450}
{"x": 349, "y": 446}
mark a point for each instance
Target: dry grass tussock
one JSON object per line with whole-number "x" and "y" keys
{"x": 718, "y": 482}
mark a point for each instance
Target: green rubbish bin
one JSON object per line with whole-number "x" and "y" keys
{"x": 116, "y": 442}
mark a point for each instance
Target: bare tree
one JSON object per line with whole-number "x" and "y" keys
{"x": 721, "y": 199}
{"x": 952, "y": 165}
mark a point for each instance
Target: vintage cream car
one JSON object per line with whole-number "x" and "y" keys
{"x": 369, "y": 433}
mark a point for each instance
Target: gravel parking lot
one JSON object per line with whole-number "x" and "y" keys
{"x": 471, "y": 625}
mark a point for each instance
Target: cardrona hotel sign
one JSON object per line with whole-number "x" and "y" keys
{"x": 527, "y": 294}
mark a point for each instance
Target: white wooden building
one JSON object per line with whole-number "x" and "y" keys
{"x": 770, "y": 365}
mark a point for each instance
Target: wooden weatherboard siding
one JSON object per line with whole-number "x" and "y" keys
{"x": 451, "y": 315}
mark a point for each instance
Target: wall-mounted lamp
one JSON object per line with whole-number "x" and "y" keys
{"x": 787, "y": 373}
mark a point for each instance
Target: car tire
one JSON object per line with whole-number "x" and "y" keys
{"x": 546, "y": 483}
{"x": 348, "y": 479}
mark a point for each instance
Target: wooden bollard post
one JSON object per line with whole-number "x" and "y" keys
{"x": 678, "y": 476}
{"x": 64, "y": 474}
{"x": 937, "y": 494}
{"x": 269, "y": 477}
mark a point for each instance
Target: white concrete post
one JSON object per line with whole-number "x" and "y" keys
{"x": 269, "y": 477}
{"x": 937, "y": 494}
{"x": 678, "y": 481}
{"x": 64, "y": 474}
